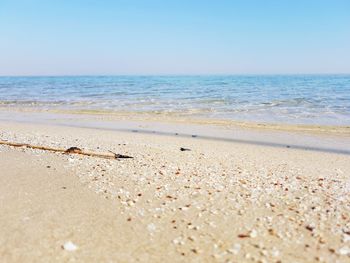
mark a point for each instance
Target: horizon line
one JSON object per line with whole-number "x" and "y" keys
{"x": 173, "y": 74}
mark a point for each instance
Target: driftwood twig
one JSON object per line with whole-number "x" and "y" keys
{"x": 71, "y": 150}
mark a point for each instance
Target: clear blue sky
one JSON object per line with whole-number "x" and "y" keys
{"x": 82, "y": 37}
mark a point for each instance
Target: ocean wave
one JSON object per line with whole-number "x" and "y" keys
{"x": 284, "y": 98}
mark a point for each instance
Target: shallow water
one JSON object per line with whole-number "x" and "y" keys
{"x": 294, "y": 99}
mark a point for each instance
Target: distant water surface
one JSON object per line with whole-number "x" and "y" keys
{"x": 293, "y": 99}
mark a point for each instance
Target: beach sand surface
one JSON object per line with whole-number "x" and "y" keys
{"x": 219, "y": 202}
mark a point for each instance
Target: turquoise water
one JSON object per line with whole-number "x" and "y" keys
{"x": 296, "y": 99}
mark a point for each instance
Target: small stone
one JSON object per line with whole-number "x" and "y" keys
{"x": 253, "y": 233}
{"x": 194, "y": 251}
{"x": 310, "y": 227}
{"x": 151, "y": 227}
{"x": 235, "y": 249}
{"x": 346, "y": 238}
{"x": 242, "y": 235}
{"x": 182, "y": 149}
{"x": 178, "y": 241}
{"x": 344, "y": 251}
{"x": 69, "y": 246}
{"x": 191, "y": 238}
{"x": 275, "y": 252}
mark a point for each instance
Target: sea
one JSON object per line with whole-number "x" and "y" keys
{"x": 286, "y": 99}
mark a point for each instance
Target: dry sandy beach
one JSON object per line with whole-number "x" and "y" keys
{"x": 219, "y": 202}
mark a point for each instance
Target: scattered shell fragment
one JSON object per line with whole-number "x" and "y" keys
{"x": 344, "y": 251}
{"x": 69, "y": 246}
{"x": 235, "y": 249}
{"x": 346, "y": 238}
{"x": 178, "y": 241}
{"x": 253, "y": 233}
{"x": 151, "y": 227}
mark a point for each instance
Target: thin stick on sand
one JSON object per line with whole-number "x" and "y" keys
{"x": 71, "y": 150}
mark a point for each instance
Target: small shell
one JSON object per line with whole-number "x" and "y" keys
{"x": 151, "y": 227}
{"x": 69, "y": 246}
{"x": 344, "y": 251}
{"x": 253, "y": 233}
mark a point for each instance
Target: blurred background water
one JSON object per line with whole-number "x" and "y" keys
{"x": 294, "y": 99}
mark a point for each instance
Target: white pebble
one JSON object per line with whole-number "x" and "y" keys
{"x": 151, "y": 227}
{"x": 253, "y": 233}
{"x": 346, "y": 238}
{"x": 344, "y": 251}
{"x": 235, "y": 249}
{"x": 70, "y": 246}
{"x": 178, "y": 241}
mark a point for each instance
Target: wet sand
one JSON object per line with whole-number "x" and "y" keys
{"x": 317, "y": 138}
{"x": 222, "y": 201}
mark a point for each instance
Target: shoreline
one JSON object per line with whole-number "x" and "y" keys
{"x": 338, "y": 142}
{"x": 178, "y": 118}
